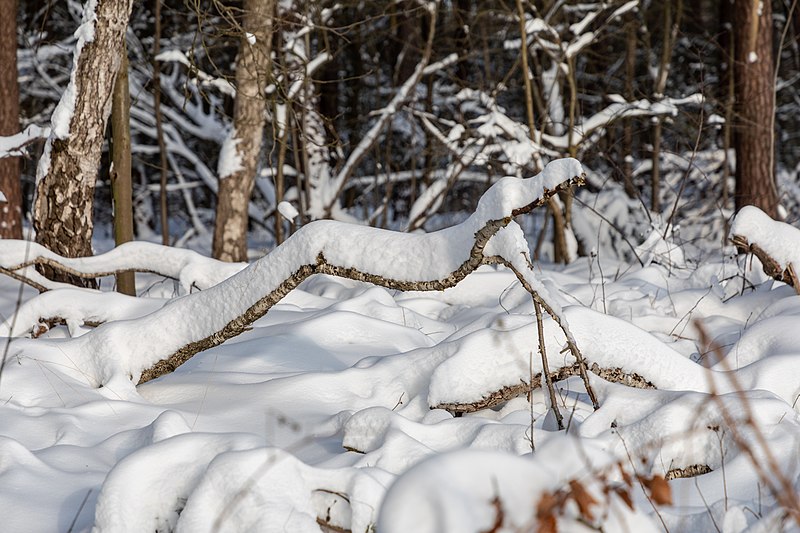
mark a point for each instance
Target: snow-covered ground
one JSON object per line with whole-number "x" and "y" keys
{"x": 322, "y": 417}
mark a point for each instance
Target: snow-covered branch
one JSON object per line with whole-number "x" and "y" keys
{"x": 171, "y": 335}
{"x": 190, "y": 268}
{"x": 617, "y": 110}
{"x": 14, "y": 145}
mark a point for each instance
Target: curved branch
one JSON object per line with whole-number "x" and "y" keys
{"x": 772, "y": 267}
{"x": 501, "y": 193}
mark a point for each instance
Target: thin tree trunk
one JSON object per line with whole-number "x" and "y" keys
{"x": 11, "y": 210}
{"x": 627, "y": 126}
{"x": 670, "y": 34}
{"x": 121, "y": 186}
{"x": 728, "y": 87}
{"x": 162, "y": 148}
{"x": 236, "y": 183}
{"x": 68, "y": 169}
{"x": 755, "y": 105}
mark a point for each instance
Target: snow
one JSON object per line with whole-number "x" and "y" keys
{"x": 230, "y": 159}
{"x": 13, "y": 145}
{"x": 288, "y": 211}
{"x": 62, "y": 116}
{"x": 325, "y": 411}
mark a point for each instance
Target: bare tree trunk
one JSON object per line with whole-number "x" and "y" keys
{"x": 755, "y": 105}
{"x": 627, "y": 126}
{"x": 162, "y": 147}
{"x": 670, "y": 34}
{"x": 68, "y": 168}
{"x": 11, "y": 211}
{"x": 236, "y": 183}
{"x": 728, "y": 96}
{"x": 121, "y": 185}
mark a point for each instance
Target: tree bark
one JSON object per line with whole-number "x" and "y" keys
{"x": 236, "y": 184}
{"x": 754, "y": 106}
{"x": 121, "y": 185}
{"x": 11, "y": 211}
{"x": 68, "y": 169}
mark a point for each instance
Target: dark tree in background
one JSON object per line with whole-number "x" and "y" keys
{"x": 754, "y": 106}
{"x": 11, "y": 211}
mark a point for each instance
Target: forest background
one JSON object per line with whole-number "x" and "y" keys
{"x": 395, "y": 114}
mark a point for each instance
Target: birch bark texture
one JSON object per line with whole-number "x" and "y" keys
{"x": 240, "y": 154}
{"x": 754, "y": 106}
{"x": 11, "y": 210}
{"x": 67, "y": 172}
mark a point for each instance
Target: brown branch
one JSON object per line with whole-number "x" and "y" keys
{"x": 493, "y": 399}
{"x": 24, "y": 279}
{"x": 772, "y": 267}
{"x": 545, "y": 367}
{"x": 689, "y": 471}
{"x": 573, "y": 348}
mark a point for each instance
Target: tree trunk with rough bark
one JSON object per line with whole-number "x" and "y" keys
{"x": 11, "y": 210}
{"x": 754, "y": 106}
{"x": 238, "y": 170}
{"x": 67, "y": 171}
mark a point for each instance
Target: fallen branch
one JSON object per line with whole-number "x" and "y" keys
{"x": 75, "y": 307}
{"x": 484, "y": 230}
{"x": 689, "y": 471}
{"x": 772, "y": 267}
{"x": 774, "y": 243}
{"x": 614, "y": 375}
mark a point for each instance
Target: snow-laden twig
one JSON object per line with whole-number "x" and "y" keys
{"x": 14, "y": 145}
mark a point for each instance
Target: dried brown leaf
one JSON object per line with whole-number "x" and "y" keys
{"x": 583, "y": 499}
{"x": 625, "y": 494}
{"x": 660, "y": 491}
